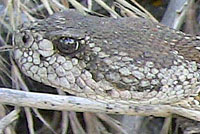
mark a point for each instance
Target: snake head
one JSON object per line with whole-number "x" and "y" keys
{"x": 57, "y": 58}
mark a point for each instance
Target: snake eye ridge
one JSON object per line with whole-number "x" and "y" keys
{"x": 68, "y": 45}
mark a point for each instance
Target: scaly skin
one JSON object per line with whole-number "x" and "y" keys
{"x": 125, "y": 60}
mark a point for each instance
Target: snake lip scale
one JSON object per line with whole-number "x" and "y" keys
{"x": 126, "y": 60}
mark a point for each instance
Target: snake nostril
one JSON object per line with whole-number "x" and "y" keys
{"x": 25, "y": 38}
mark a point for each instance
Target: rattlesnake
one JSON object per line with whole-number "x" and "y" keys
{"x": 126, "y": 60}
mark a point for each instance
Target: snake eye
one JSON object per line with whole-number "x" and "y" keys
{"x": 69, "y": 46}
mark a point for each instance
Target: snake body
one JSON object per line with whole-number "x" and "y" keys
{"x": 125, "y": 60}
